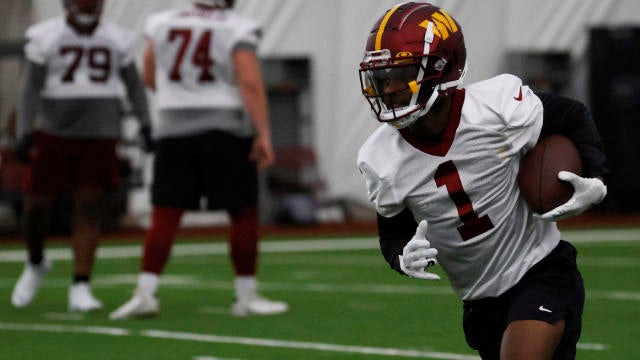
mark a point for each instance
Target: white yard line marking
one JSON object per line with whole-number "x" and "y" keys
{"x": 591, "y": 236}
{"x": 594, "y": 347}
{"x": 52, "y": 328}
{"x": 211, "y": 358}
{"x": 311, "y": 245}
{"x": 210, "y": 338}
{"x": 305, "y": 345}
{"x": 195, "y": 283}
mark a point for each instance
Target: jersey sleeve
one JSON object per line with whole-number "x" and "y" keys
{"x": 380, "y": 192}
{"x": 522, "y": 113}
{"x": 36, "y": 49}
{"x": 151, "y": 25}
{"x": 127, "y": 49}
{"x": 378, "y": 172}
{"x": 124, "y": 41}
{"x": 247, "y": 34}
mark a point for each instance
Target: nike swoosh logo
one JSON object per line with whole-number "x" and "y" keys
{"x": 542, "y": 308}
{"x": 519, "y": 97}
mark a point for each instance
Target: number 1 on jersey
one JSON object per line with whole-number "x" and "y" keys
{"x": 447, "y": 175}
{"x": 201, "y": 56}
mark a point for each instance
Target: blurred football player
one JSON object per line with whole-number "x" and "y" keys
{"x": 74, "y": 67}
{"x": 201, "y": 62}
{"x": 441, "y": 173}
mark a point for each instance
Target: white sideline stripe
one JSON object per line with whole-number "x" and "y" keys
{"x": 195, "y": 283}
{"x": 66, "y": 329}
{"x": 304, "y": 345}
{"x": 594, "y": 347}
{"x": 253, "y": 341}
{"x": 211, "y": 358}
{"x": 366, "y": 243}
{"x": 134, "y": 251}
{"x": 591, "y": 236}
{"x": 235, "y": 340}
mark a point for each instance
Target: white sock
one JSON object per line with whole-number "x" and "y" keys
{"x": 148, "y": 283}
{"x": 245, "y": 286}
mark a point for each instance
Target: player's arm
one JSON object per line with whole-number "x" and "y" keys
{"x": 139, "y": 104}
{"x": 149, "y": 66}
{"x": 572, "y": 119}
{"x": 394, "y": 233}
{"x": 249, "y": 79}
{"x": 405, "y": 246}
{"x": 34, "y": 78}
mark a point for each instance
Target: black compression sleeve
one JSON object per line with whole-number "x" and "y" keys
{"x": 137, "y": 94}
{"x": 572, "y": 119}
{"x": 394, "y": 233}
{"x": 34, "y": 78}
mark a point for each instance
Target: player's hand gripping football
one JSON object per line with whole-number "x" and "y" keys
{"x": 418, "y": 255}
{"x": 587, "y": 192}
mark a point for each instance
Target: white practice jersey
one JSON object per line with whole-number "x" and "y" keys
{"x": 193, "y": 56}
{"x": 466, "y": 187}
{"x": 79, "y": 66}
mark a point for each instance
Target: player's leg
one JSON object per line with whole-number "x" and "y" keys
{"x": 94, "y": 165}
{"x": 237, "y": 191}
{"x": 244, "y": 257}
{"x": 36, "y": 218}
{"x": 159, "y": 239}
{"x": 484, "y": 323}
{"x": 531, "y": 340}
{"x": 545, "y": 311}
{"x": 171, "y": 194}
{"x": 156, "y": 251}
{"x": 47, "y": 176}
{"x": 87, "y": 210}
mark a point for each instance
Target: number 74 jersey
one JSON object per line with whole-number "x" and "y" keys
{"x": 465, "y": 186}
{"x": 79, "y": 66}
{"x": 193, "y": 56}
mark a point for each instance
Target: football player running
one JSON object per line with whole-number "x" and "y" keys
{"x": 75, "y": 65}
{"x": 201, "y": 62}
{"x": 441, "y": 173}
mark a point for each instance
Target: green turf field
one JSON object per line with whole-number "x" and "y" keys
{"x": 345, "y": 304}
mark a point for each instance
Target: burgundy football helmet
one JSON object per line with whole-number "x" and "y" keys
{"x": 84, "y": 13}
{"x": 415, "y": 53}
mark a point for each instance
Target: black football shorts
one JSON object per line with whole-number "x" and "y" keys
{"x": 214, "y": 165}
{"x": 550, "y": 291}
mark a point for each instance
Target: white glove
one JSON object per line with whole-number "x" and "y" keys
{"x": 587, "y": 192}
{"x": 418, "y": 255}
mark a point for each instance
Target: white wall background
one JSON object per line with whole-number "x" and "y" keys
{"x": 333, "y": 32}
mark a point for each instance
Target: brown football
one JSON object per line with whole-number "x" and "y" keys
{"x": 538, "y": 175}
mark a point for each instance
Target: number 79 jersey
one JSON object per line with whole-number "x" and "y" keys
{"x": 79, "y": 66}
{"x": 465, "y": 186}
{"x": 193, "y": 56}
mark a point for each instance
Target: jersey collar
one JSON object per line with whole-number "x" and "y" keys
{"x": 440, "y": 148}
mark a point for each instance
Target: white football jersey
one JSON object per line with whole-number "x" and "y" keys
{"x": 466, "y": 187}
{"x": 193, "y": 56}
{"x": 79, "y": 66}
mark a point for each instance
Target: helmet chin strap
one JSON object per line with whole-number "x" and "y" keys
{"x": 413, "y": 117}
